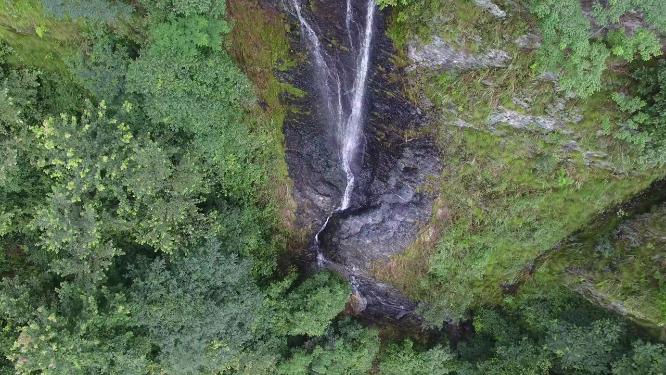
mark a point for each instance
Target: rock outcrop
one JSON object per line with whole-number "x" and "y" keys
{"x": 397, "y": 207}
{"x": 492, "y": 8}
{"x": 441, "y": 55}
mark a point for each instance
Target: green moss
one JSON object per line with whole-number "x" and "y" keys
{"x": 259, "y": 45}
{"x": 512, "y": 195}
{"x": 19, "y": 23}
{"x": 626, "y": 270}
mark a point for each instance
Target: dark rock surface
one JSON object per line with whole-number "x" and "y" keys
{"x": 390, "y": 202}
{"x": 395, "y": 209}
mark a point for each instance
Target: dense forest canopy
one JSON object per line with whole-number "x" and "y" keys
{"x": 142, "y": 211}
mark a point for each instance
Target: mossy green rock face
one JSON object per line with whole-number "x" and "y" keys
{"x": 459, "y": 111}
{"x": 525, "y": 163}
{"x": 619, "y": 262}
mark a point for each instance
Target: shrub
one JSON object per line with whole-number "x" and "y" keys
{"x": 645, "y": 127}
{"x": 568, "y": 50}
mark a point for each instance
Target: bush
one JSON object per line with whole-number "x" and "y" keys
{"x": 568, "y": 50}
{"x": 645, "y": 128}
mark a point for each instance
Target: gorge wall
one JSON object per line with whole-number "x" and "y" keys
{"x": 389, "y": 202}
{"x": 515, "y": 162}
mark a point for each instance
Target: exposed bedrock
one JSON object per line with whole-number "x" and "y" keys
{"x": 440, "y": 54}
{"x": 395, "y": 210}
{"x": 390, "y": 202}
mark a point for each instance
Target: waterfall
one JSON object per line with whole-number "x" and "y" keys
{"x": 343, "y": 100}
{"x": 354, "y": 126}
{"x": 346, "y": 112}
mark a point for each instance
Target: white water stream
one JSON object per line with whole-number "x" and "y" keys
{"x": 353, "y": 128}
{"x": 345, "y": 105}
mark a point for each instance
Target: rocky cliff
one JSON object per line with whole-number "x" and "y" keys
{"x": 456, "y": 118}
{"x": 392, "y": 200}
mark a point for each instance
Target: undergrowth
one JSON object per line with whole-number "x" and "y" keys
{"x": 259, "y": 45}
{"x": 43, "y": 42}
{"x": 620, "y": 261}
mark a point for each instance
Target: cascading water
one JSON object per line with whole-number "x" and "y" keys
{"x": 344, "y": 104}
{"x": 354, "y": 125}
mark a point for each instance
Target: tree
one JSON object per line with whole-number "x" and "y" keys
{"x": 643, "y": 128}
{"x": 404, "y": 360}
{"x": 161, "y": 9}
{"x": 348, "y": 350}
{"x": 80, "y": 333}
{"x": 91, "y": 10}
{"x": 513, "y": 351}
{"x": 567, "y": 47}
{"x": 587, "y": 348}
{"x": 644, "y": 359}
{"x": 522, "y": 357}
{"x": 201, "y": 311}
{"x": 310, "y": 307}
{"x": 103, "y": 68}
{"x": 191, "y": 86}
{"x": 106, "y": 182}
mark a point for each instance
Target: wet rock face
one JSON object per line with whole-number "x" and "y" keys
{"x": 389, "y": 204}
{"x": 384, "y": 303}
{"x": 313, "y": 163}
{"x": 395, "y": 211}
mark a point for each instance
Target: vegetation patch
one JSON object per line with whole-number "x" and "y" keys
{"x": 145, "y": 210}
{"x": 42, "y": 41}
{"x": 618, "y": 262}
{"x": 512, "y": 187}
{"x": 259, "y": 45}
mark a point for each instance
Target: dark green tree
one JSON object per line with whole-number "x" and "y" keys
{"x": 82, "y": 332}
{"x": 90, "y": 10}
{"x": 103, "y": 68}
{"x": 348, "y": 350}
{"x": 644, "y": 359}
{"x": 310, "y": 307}
{"x": 107, "y": 182}
{"x": 569, "y": 50}
{"x": 522, "y": 357}
{"x": 161, "y": 9}
{"x": 404, "y": 360}
{"x": 201, "y": 311}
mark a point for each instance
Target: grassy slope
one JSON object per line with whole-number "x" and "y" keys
{"x": 620, "y": 262}
{"x": 20, "y": 21}
{"x": 508, "y": 196}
